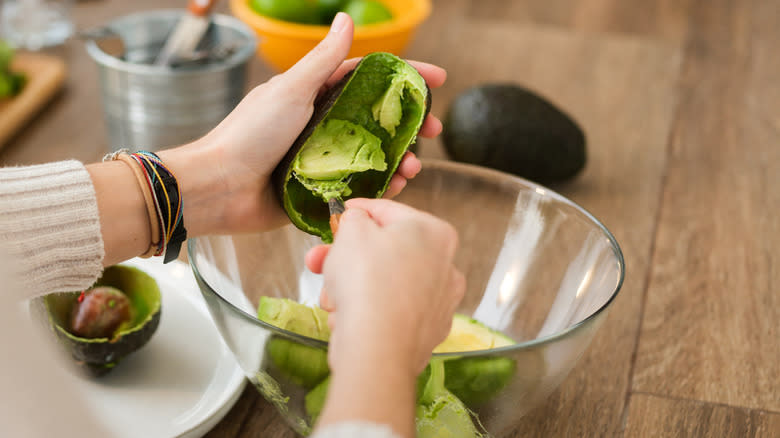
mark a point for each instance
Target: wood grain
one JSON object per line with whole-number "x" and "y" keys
{"x": 589, "y": 77}
{"x": 233, "y": 423}
{"x": 711, "y": 328}
{"x": 651, "y": 416}
{"x": 681, "y": 106}
{"x": 263, "y": 420}
{"x": 665, "y": 20}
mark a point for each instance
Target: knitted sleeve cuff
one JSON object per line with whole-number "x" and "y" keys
{"x": 356, "y": 429}
{"x": 50, "y": 227}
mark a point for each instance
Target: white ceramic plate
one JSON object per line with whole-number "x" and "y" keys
{"x": 180, "y": 384}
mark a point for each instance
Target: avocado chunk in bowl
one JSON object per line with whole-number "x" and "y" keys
{"x": 302, "y": 364}
{"x": 446, "y": 391}
{"x": 475, "y": 380}
{"x": 359, "y": 132}
{"x": 538, "y": 289}
{"x": 102, "y": 325}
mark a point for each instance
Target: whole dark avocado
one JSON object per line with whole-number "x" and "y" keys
{"x": 509, "y": 128}
{"x": 99, "y": 355}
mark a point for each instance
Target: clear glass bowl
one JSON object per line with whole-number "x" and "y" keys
{"x": 539, "y": 268}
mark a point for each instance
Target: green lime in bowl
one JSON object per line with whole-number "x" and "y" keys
{"x": 365, "y": 12}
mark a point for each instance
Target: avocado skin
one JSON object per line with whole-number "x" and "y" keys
{"x": 510, "y": 128}
{"x": 322, "y": 106}
{"x": 99, "y": 356}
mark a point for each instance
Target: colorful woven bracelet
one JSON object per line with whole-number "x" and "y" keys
{"x": 155, "y": 227}
{"x": 167, "y": 195}
{"x": 163, "y": 200}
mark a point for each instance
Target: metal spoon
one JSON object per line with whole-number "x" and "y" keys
{"x": 336, "y": 207}
{"x": 203, "y": 56}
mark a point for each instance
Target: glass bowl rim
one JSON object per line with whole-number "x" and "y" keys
{"x": 474, "y": 170}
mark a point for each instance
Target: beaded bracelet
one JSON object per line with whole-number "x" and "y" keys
{"x": 163, "y": 201}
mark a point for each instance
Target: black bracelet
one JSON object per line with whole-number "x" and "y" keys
{"x": 167, "y": 196}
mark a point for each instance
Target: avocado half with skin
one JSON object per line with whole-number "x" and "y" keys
{"x": 100, "y": 355}
{"x": 359, "y": 132}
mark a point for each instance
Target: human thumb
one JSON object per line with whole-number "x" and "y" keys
{"x": 311, "y": 71}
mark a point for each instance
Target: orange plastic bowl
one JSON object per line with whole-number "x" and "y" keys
{"x": 282, "y": 43}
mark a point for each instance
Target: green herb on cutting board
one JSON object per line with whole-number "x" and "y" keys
{"x": 11, "y": 83}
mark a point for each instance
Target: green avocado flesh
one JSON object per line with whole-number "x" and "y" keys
{"x": 100, "y": 355}
{"x": 469, "y": 334}
{"x": 335, "y": 150}
{"x": 439, "y": 413}
{"x": 388, "y": 110}
{"x": 475, "y": 380}
{"x": 302, "y": 364}
{"x": 446, "y": 390}
{"x": 354, "y": 142}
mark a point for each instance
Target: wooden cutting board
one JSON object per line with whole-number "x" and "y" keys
{"x": 45, "y": 76}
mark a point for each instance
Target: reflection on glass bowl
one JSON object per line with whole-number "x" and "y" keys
{"x": 539, "y": 268}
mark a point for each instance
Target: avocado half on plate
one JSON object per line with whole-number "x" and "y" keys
{"x": 115, "y": 317}
{"x": 354, "y": 141}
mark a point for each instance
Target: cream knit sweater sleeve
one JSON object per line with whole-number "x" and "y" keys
{"x": 49, "y": 224}
{"x": 50, "y": 241}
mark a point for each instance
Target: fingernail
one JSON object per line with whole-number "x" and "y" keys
{"x": 340, "y": 23}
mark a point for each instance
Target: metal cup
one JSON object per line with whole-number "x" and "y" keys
{"x": 152, "y": 107}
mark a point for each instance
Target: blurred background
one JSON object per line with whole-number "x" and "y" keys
{"x": 679, "y": 104}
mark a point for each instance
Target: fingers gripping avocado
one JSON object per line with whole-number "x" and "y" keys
{"x": 354, "y": 141}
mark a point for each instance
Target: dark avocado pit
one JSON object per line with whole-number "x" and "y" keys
{"x": 99, "y": 355}
{"x": 509, "y": 128}
{"x": 359, "y": 132}
{"x": 100, "y": 312}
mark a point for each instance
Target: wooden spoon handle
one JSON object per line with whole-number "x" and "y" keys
{"x": 201, "y": 8}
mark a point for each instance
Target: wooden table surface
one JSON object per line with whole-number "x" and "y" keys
{"x": 680, "y": 102}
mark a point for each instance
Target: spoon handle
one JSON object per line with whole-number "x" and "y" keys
{"x": 336, "y": 207}
{"x": 201, "y": 8}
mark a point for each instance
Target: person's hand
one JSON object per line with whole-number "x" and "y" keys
{"x": 233, "y": 191}
{"x": 390, "y": 281}
{"x": 392, "y": 290}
